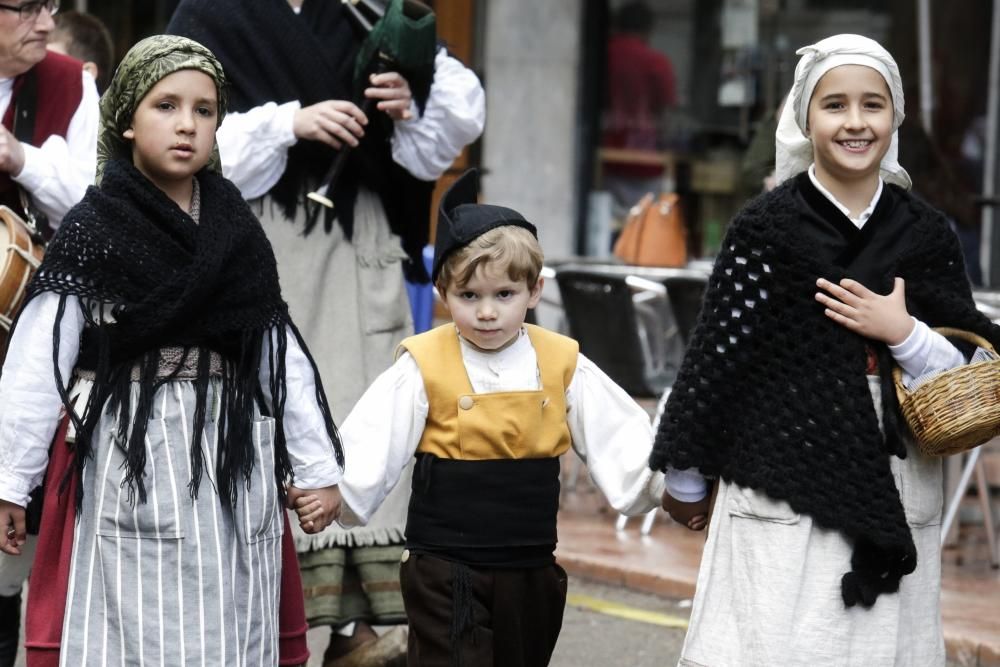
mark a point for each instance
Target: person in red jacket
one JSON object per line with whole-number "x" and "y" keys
{"x": 51, "y": 153}
{"x": 641, "y": 89}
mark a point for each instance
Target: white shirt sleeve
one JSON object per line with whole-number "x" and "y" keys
{"x": 254, "y": 146}
{"x": 453, "y": 117}
{"x": 310, "y": 451}
{"x": 380, "y": 437}
{"x": 612, "y": 434}
{"x": 687, "y": 486}
{"x": 58, "y": 172}
{"x": 30, "y": 404}
{"x": 925, "y": 351}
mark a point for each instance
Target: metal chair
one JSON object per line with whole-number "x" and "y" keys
{"x": 988, "y": 303}
{"x": 621, "y": 325}
{"x": 973, "y": 465}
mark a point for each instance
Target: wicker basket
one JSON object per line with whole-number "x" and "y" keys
{"x": 958, "y": 409}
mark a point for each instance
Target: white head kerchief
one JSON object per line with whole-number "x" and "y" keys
{"x": 794, "y": 152}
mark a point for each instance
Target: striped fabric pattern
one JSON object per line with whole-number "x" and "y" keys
{"x": 174, "y": 581}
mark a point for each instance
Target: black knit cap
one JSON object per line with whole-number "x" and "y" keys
{"x": 461, "y": 219}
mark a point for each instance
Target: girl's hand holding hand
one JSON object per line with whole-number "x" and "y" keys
{"x": 693, "y": 515}
{"x": 854, "y": 306}
{"x": 12, "y": 532}
{"x": 316, "y": 508}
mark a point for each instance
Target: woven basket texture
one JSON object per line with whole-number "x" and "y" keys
{"x": 958, "y": 409}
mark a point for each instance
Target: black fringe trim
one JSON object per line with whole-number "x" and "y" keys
{"x": 240, "y": 394}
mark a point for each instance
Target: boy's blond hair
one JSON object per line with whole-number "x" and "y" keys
{"x": 508, "y": 247}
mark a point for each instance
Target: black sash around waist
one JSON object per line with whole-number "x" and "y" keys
{"x": 496, "y": 513}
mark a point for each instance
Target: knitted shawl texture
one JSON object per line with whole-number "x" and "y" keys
{"x": 171, "y": 282}
{"x": 773, "y": 395}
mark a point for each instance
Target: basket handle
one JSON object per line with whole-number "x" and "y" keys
{"x": 947, "y": 332}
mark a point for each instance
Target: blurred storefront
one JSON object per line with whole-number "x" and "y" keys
{"x": 559, "y": 148}
{"x": 733, "y": 61}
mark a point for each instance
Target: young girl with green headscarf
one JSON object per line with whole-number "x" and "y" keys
{"x": 192, "y": 399}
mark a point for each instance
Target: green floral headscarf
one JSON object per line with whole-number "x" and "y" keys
{"x": 142, "y": 67}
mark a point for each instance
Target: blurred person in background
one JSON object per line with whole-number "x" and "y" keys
{"x": 86, "y": 38}
{"x": 641, "y": 89}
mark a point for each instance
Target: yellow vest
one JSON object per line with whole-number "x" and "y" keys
{"x": 462, "y": 424}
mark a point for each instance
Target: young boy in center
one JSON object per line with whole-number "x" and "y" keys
{"x": 488, "y": 404}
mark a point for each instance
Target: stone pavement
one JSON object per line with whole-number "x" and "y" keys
{"x": 666, "y": 563}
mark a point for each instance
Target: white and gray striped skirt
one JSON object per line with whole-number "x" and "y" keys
{"x": 176, "y": 580}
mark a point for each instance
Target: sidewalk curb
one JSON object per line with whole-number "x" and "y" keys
{"x": 631, "y": 578}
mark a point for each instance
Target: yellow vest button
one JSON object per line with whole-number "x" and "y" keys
{"x": 466, "y": 402}
{"x": 406, "y": 556}
{"x": 545, "y": 402}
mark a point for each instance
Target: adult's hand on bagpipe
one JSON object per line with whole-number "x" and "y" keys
{"x": 392, "y": 93}
{"x": 333, "y": 122}
{"x": 400, "y": 34}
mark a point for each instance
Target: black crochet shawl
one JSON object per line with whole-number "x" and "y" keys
{"x": 171, "y": 282}
{"x": 270, "y": 54}
{"x": 773, "y": 395}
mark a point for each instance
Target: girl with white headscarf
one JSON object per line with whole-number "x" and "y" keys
{"x": 824, "y": 547}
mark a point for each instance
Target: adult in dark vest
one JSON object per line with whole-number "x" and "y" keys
{"x": 47, "y": 160}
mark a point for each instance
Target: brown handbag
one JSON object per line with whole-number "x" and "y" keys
{"x": 654, "y": 233}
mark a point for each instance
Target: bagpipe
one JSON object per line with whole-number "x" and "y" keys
{"x": 399, "y": 35}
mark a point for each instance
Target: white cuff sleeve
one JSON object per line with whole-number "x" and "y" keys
{"x": 309, "y": 448}
{"x": 687, "y": 486}
{"x": 254, "y": 146}
{"x": 925, "y": 351}
{"x": 453, "y": 117}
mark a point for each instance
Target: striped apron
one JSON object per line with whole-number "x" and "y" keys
{"x": 176, "y": 580}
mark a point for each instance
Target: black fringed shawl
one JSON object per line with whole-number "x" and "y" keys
{"x": 270, "y": 54}
{"x": 773, "y": 395}
{"x": 169, "y": 282}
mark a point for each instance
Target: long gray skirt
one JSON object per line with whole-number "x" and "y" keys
{"x": 349, "y": 300}
{"x": 174, "y": 581}
{"x": 768, "y": 590}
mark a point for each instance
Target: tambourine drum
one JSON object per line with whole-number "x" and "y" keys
{"x": 20, "y": 255}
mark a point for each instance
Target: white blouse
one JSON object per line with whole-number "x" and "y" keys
{"x": 30, "y": 405}
{"x": 609, "y": 431}
{"x": 254, "y": 145}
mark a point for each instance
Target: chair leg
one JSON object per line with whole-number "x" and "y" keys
{"x": 647, "y": 522}
{"x": 10, "y": 628}
{"x": 951, "y": 510}
{"x": 984, "y": 500}
{"x": 952, "y": 473}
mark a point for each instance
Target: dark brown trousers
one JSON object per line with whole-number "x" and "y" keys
{"x": 516, "y": 615}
